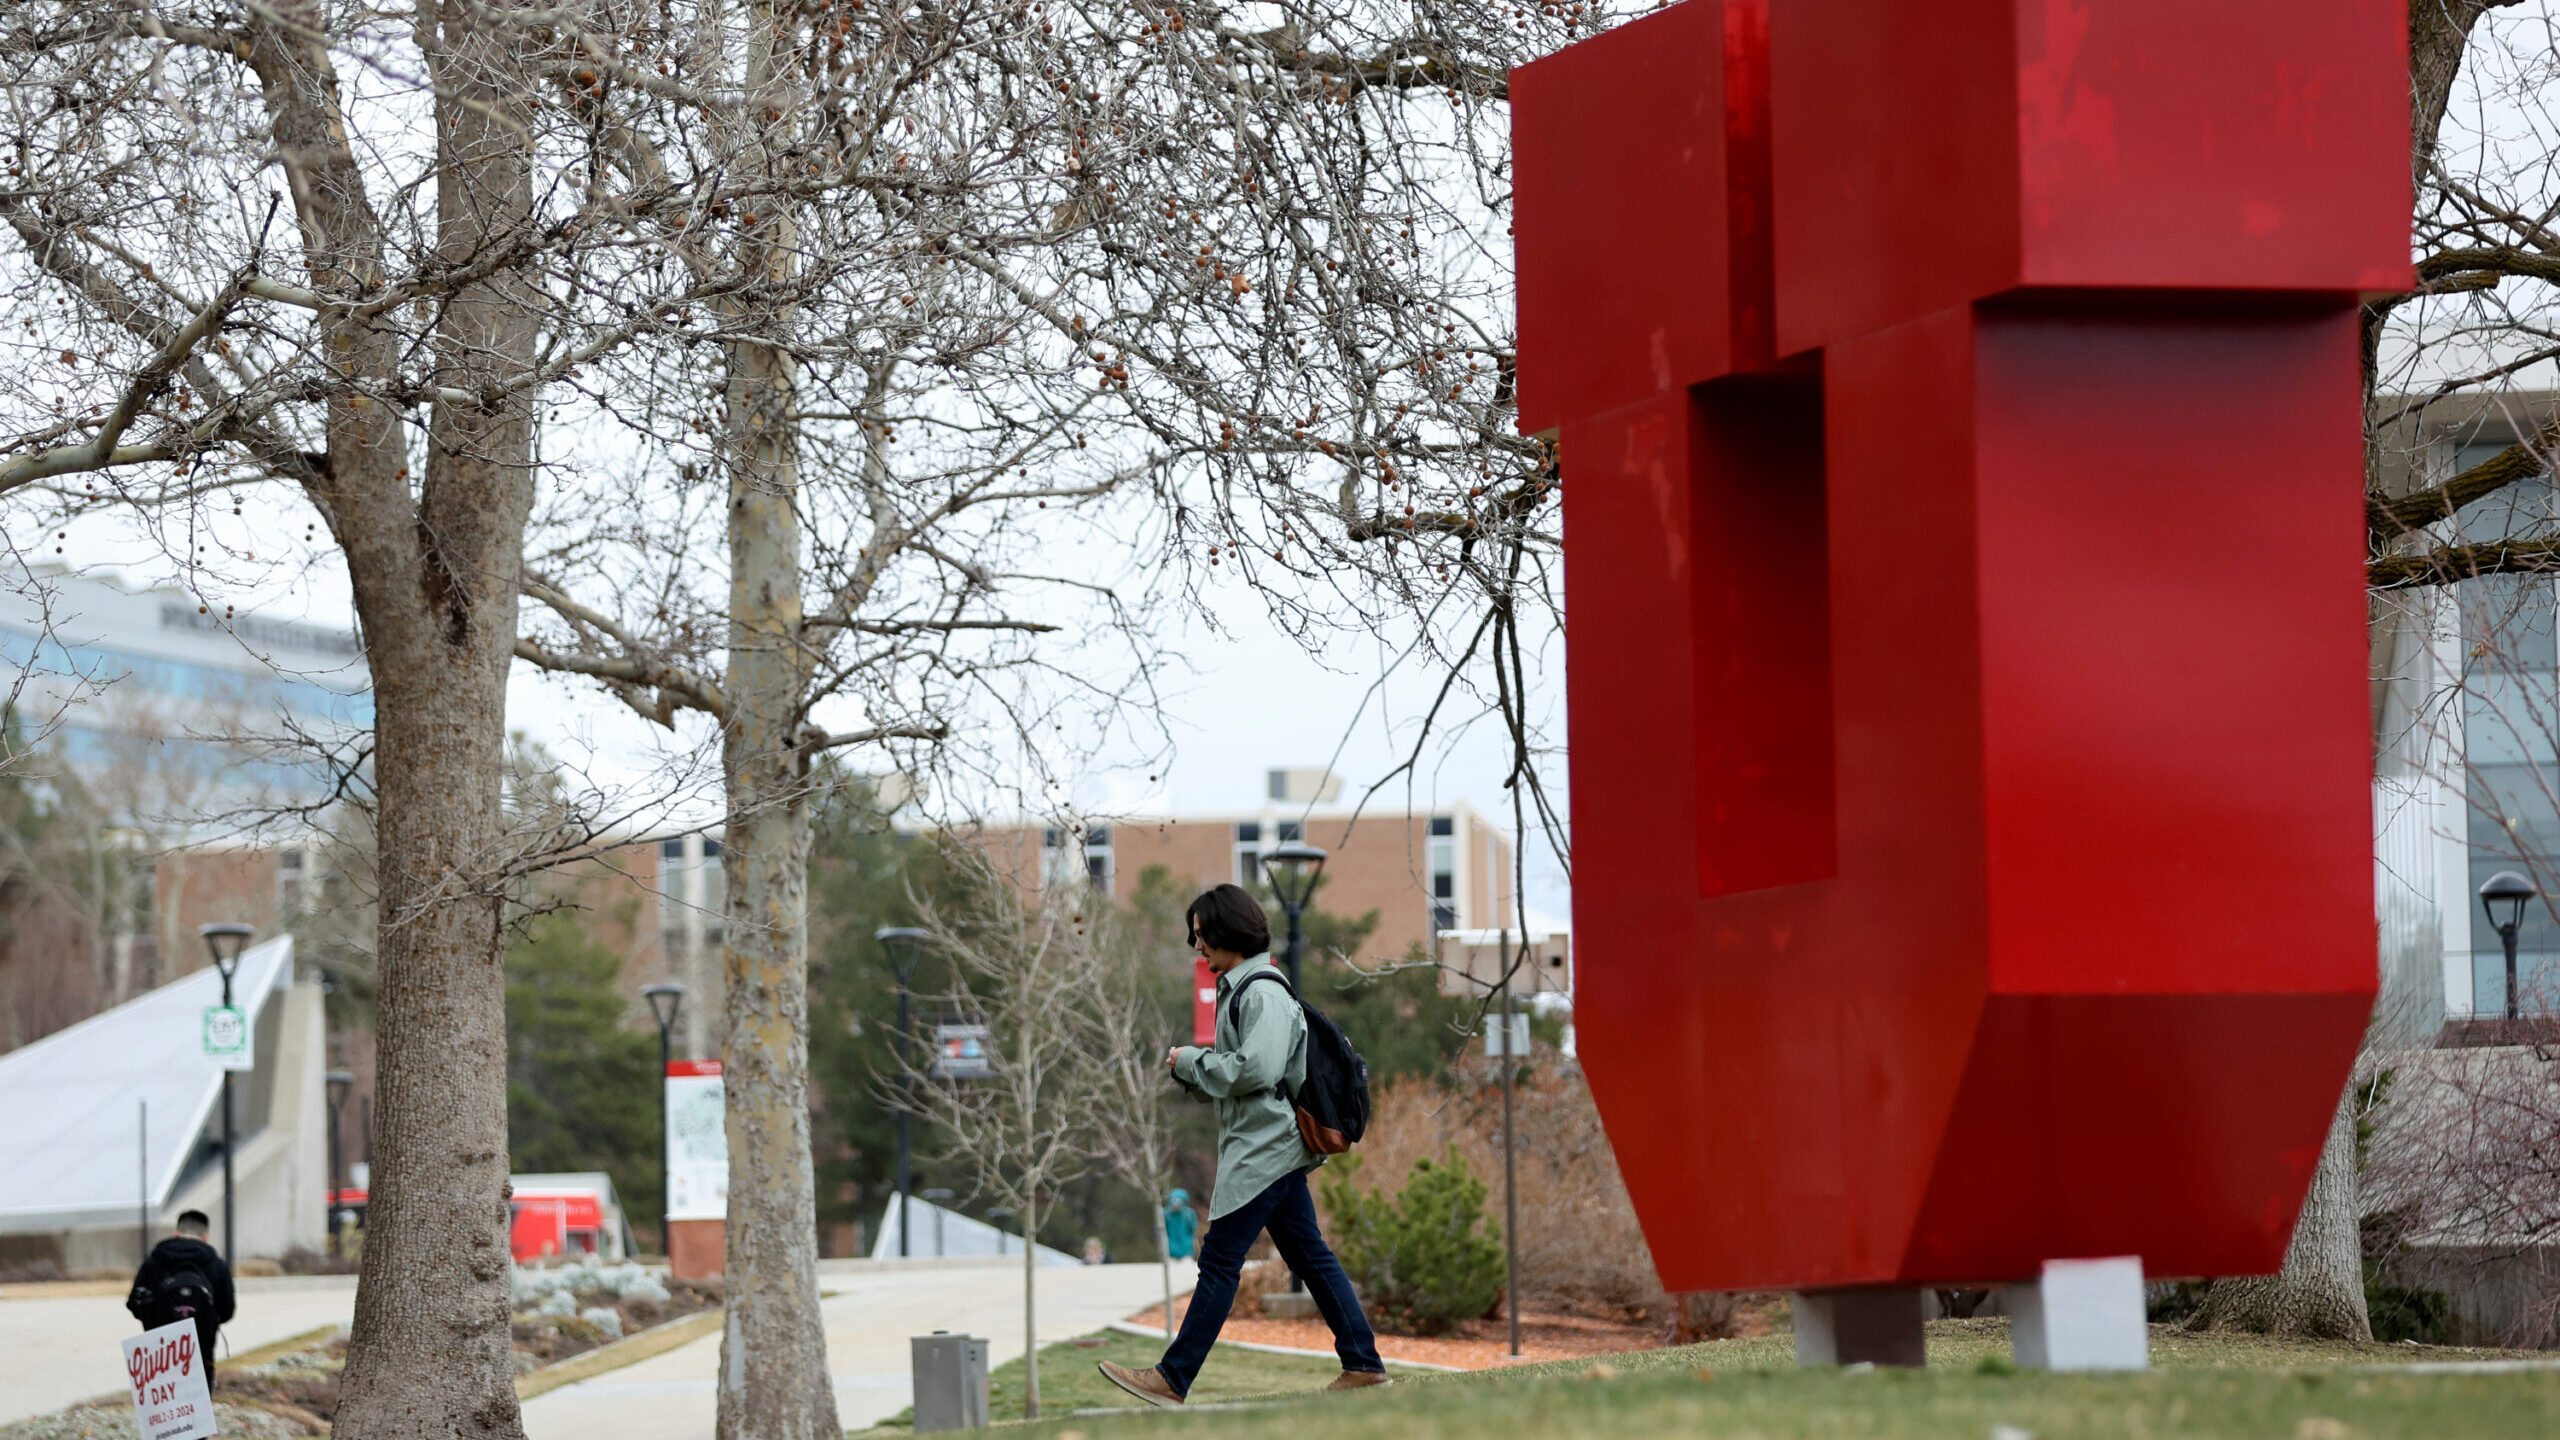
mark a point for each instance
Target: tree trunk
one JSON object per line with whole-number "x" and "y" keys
{"x": 1030, "y": 1308}
{"x": 2320, "y": 1291}
{"x": 435, "y": 580}
{"x": 774, "y": 1380}
{"x": 1164, "y": 1254}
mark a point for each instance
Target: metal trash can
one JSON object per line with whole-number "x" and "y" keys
{"x": 951, "y": 1381}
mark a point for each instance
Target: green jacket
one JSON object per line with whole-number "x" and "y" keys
{"x": 1243, "y": 1075}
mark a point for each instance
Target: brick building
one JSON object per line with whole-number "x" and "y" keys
{"x": 1449, "y": 869}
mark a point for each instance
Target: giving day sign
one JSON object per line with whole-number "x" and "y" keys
{"x": 171, "y": 1400}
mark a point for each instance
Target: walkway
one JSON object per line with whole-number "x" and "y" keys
{"x": 872, "y": 1309}
{"x": 62, "y": 1349}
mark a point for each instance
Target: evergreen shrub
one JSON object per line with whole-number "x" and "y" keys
{"x": 1424, "y": 1259}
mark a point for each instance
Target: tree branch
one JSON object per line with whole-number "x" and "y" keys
{"x": 2531, "y": 456}
{"x": 2448, "y": 564}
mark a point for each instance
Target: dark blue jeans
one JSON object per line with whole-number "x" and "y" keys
{"x": 1286, "y": 1210}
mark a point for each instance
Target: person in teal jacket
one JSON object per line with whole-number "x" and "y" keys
{"x": 1247, "y": 1076}
{"x": 1181, "y": 1223}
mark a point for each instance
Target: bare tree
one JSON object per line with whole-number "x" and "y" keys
{"x": 389, "y": 391}
{"x": 1031, "y": 975}
{"x": 1132, "y": 1135}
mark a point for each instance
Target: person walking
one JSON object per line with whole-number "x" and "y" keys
{"x": 1181, "y": 1225}
{"x": 1259, "y": 1058}
{"x": 184, "y": 1278}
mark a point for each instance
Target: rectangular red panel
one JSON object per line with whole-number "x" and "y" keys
{"x": 1929, "y": 152}
{"x": 1640, "y": 211}
{"x": 2210, "y": 145}
{"x": 2177, "y": 750}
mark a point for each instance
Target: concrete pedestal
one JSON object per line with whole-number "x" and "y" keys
{"x": 1851, "y": 1327}
{"x": 2081, "y": 1315}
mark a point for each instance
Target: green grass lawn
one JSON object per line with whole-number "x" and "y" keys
{"x": 1068, "y": 1381}
{"x": 2243, "y": 1388}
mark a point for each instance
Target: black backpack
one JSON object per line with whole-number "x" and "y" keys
{"x": 183, "y": 1294}
{"x": 1333, "y": 1104}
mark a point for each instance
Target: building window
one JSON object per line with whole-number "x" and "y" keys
{"x": 2510, "y": 694}
{"x": 1443, "y": 825}
{"x": 1248, "y": 852}
{"x": 1444, "y": 917}
{"x": 290, "y": 878}
{"x": 1068, "y": 855}
{"x": 1291, "y": 832}
{"x": 1444, "y": 881}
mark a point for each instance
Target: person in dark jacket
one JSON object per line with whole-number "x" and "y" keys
{"x": 184, "y": 1278}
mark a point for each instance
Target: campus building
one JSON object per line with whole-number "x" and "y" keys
{"x": 174, "y": 723}
{"x": 1445, "y": 869}
{"x": 113, "y": 1126}
{"x": 2467, "y": 731}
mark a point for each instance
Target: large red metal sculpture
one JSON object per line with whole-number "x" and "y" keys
{"x": 1958, "y": 404}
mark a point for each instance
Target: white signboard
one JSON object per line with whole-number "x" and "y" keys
{"x": 228, "y": 1038}
{"x": 960, "y": 1052}
{"x": 697, "y": 1142}
{"x": 171, "y": 1400}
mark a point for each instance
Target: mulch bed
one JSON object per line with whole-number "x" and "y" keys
{"x": 1545, "y": 1334}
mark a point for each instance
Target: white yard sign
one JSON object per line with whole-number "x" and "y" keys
{"x": 171, "y": 1400}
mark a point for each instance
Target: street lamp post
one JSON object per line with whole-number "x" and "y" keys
{"x": 996, "y": 1216}
{"x": 905, "y": 946}
{"x": 339, "y": 1082}
{"x": 2507, "y": 892}
{"x": 666, "y": 1001}
{"x": 940, "y": 1200}
{"x": 1293, "y": 871}
{"x": 225, "y": 939}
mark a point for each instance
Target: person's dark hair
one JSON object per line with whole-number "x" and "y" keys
{"x": 194, "y": 1222}
{"x": 1229, "y": 919}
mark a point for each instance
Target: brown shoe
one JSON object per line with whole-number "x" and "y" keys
{"x": 1359, "y": 1380}
{"x": 1147, "y": 1384}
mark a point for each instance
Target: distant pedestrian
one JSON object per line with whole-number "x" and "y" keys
{"x": 1095, "y": 1252}
{"x": 1181, "y": 1225}
{"x": 184, "y": 1278}
{"x": 1259, "y": 1059}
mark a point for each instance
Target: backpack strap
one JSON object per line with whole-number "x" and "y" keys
{"x": 1235, "y": 1017}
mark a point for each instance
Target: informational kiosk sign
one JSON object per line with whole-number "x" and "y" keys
{"x": 165, "y": 1368}
{"x": 697, "y": 1142}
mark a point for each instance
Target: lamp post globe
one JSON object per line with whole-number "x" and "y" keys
{"x": 224, "y": 940}
{"x": 666, "y": 1002}
{"x": 2504, "y": 896}
{"x": 904, "y": 945}
{"x": 1293, "y": 871}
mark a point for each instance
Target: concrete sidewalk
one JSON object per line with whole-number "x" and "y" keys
{"x": 65, "y": 1349}
{"x": 873, "y": 1310}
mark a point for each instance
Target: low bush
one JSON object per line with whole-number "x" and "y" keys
{"x": 1424, "y": 1259}
{"x": 1580, "y": 1246}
